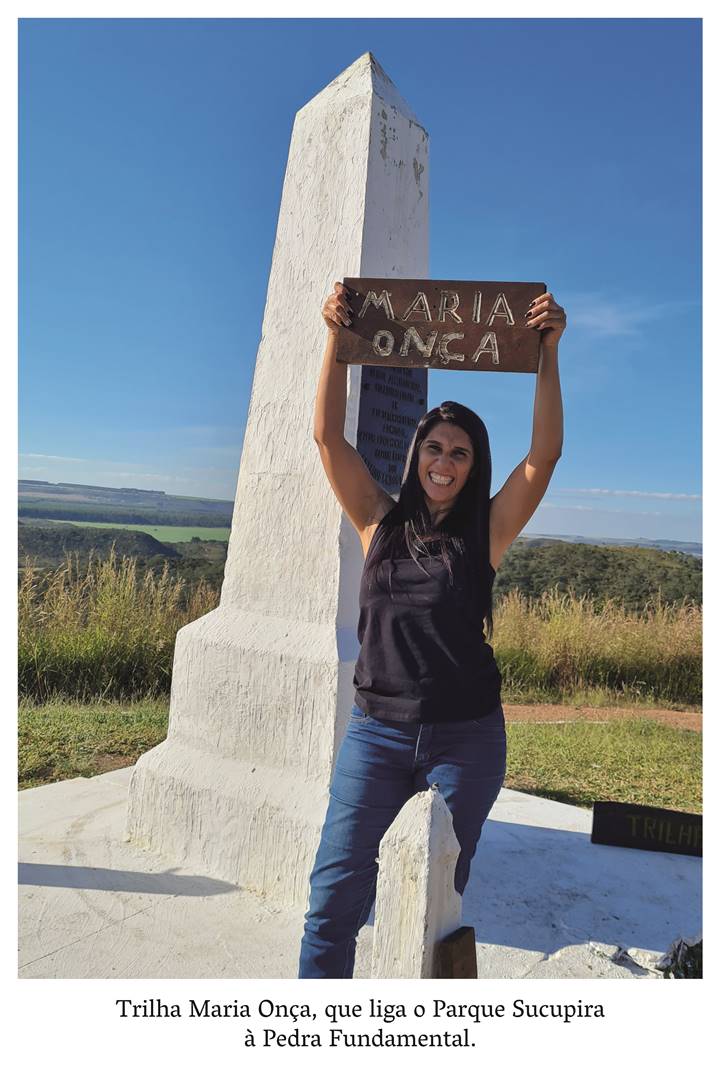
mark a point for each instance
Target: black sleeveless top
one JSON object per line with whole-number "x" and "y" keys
{"x": 423, "y": 654}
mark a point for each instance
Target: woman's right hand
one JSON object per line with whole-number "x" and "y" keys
{"x": 336, "y": 309}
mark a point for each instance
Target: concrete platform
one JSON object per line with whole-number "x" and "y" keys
{"x": 544, "y": 901}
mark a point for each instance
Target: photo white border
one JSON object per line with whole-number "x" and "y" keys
{"x": 49, "y": 1017}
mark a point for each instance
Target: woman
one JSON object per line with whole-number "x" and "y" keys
{"x": 427, "y": 705}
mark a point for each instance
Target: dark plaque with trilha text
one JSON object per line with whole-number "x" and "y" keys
{"x": 632, "y": 825}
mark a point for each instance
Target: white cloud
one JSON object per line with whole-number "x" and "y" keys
{"x": 596, "y": 510}
{"x": 629, "y": 492}
{"x": 140, "y": 477}
{"x": 606, "y": 318}
{"x": 58, "y": 458}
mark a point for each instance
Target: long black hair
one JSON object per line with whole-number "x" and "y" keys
{"x": 407, "y": 528}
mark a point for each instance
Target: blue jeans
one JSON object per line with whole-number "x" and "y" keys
{"x": 380, "y": 765}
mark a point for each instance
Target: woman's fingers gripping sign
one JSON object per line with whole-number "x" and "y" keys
{"x": 547, "y": 316}
{"x": 336, "y": 309}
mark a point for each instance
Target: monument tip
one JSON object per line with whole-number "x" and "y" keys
{"x": 365, "y": 75}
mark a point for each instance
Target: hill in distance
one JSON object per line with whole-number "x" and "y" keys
{"x": 47, "y": 543}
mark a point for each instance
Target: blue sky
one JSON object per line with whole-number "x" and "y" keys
{"x": 152, "y": 154}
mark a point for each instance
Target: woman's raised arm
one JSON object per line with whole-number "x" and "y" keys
{"x": 516, "y": 502}
{"x": 359, "y": 495}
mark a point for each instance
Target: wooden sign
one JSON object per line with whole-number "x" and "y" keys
{"x": 631, "y": 825}
{"x": 442, "y": 325}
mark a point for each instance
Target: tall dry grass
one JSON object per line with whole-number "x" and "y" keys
{"x": 562, "y": 643}
{"x": 106, "y": 633}
{"x": 101, "y": 631}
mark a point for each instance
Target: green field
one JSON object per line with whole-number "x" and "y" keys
{"x": 629, "y": 761}
{"x": 167, "y": 534}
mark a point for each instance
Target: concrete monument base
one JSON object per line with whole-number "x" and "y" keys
{"x": 255, "y": 820}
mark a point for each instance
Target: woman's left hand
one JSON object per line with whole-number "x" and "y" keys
{"x": 548, "y": 317}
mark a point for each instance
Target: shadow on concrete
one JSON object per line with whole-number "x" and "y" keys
{"x": 541, "y": 889}
{"x": 166, "y": 883}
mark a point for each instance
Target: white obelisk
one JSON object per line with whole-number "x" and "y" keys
{"x": 262, "y": 686}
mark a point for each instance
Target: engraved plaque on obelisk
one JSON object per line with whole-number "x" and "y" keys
{"x": 392, "y": 401}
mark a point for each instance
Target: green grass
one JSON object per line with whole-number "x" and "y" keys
{"x": 167, "y": 534}
{"x": 61, "y": 740}
{"x": 631, "y": 761}
{"x": 627, "y": 761}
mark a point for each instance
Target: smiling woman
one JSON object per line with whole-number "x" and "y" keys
{"x": 427, "y": 689}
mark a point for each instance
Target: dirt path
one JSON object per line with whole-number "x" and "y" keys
{"x": 557, "y": 712}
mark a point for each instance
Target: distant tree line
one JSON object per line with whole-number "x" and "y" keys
{"x": 633, "y": 576}
{"x": 627, "y": 575}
